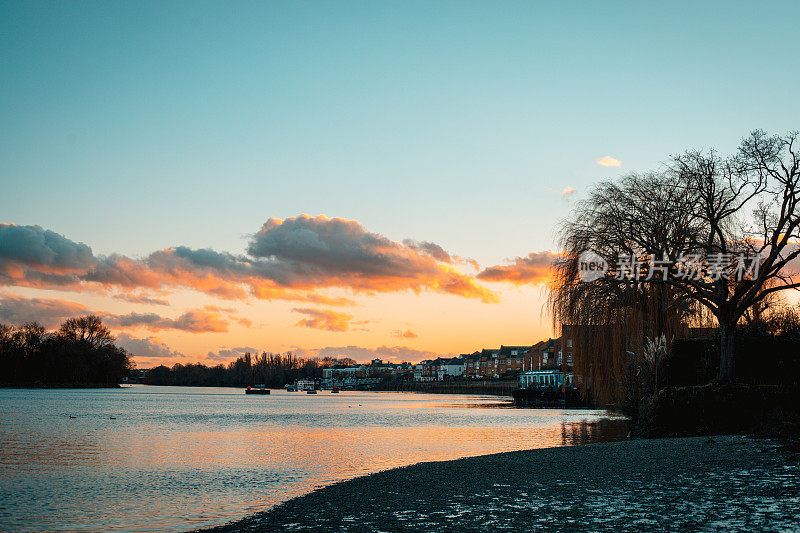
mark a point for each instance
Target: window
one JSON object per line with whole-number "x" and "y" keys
{"x": 569, "y": 343}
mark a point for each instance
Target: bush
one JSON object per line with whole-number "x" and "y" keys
{"x": 720, "y": 409}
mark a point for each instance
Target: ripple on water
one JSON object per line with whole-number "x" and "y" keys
{"x": 179, "y": 458}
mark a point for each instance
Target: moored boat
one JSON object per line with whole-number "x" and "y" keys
{"x": 306, "y": 385}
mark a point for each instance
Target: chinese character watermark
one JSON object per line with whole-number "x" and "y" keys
{"x": 652, "y": 268}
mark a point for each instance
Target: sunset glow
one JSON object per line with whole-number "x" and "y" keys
{"x": 372, "y": 181}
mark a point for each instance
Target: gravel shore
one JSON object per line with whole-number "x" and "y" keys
{"x": 708, "y": 484}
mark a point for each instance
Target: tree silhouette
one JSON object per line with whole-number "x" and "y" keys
{"x": 700, "y": 205}
{"x": 272, "y": 370}
{"x": 80, "y": 353}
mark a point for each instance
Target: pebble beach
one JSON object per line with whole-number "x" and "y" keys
{"x": 701, "y": 484}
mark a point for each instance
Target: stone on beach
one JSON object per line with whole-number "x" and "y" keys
{"x": 728, "y": 482}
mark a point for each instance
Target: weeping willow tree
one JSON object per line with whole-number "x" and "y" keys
{"x": 618, "y": 315}
{"x": 698, "y": 206}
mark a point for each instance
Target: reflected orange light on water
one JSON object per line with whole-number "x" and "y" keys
{"x": 172, "y": 459}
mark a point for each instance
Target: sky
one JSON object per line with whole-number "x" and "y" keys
{"x": 345, "y": 178}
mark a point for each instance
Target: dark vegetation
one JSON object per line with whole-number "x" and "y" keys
{"x": 764, "y": 400}
{"x": 712, "y": 351}
{"x": 697, "y": 207}
{"x": 272, "y": 370}
{"x": 766, "y": 352}
{"x": 81, "y": 352}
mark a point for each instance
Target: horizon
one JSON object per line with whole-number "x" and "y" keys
{"x": 158, "y": 161}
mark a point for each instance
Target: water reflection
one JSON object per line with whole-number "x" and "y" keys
{"x": 177, "y": 458}
{"x": 593, "y": 432}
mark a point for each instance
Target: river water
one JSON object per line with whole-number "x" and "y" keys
{"x": 143, "y": 458}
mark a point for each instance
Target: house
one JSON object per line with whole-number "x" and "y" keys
{"x": 355, "y": 375}
{"x": 471, "y": 363}
{"x": 339, "y": 374}
{"x": 453, "y": 367}
{"x": 545, "y": 379}
{"x": 511, "y": 359}
{"x": 426, "y": 371}
{"x": 545, "y": 355}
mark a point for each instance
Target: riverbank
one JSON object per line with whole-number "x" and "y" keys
{"x": 40, "y": 385}
{"x": 485, "y": 387}
{"x": 697, "y": 483}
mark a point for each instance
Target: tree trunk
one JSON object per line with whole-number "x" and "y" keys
{"x": 726, "y": 356}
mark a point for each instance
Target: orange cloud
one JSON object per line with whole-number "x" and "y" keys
{"x": 407, "y": 334}
{"x": 324, "y": 319}
{"x": 534, "y": 269}
{"x": 359, "y": 353}
{"x": 51, "y": 311}
{"x": 312, "y": 252}
{"x": 288, "y": 259}
{"x": 194, "y": 321}
{"x": 224, "y": 355}
{"x": 139, "y": 299}
{"x": 609, "y": 161}
{"x": 147, "y": 348}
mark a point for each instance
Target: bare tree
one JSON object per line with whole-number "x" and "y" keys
{"x": 723, "y": 211}
{"x": 636, "y": 216}
{"x": 89, "y": 329}
{"x": 748, "y": 206}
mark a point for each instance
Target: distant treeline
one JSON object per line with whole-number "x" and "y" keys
{"x": 272, "y": 370}
{"x": 81, "y": 352}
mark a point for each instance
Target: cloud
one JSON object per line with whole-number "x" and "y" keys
{"x": 193, "y": 321}
{"x": 218, "y": 309}
{"x": 568, "y": 191}
{"x": 228, "y": 354}
{"x": 431, "y": 249}
{"x": 609, "y": 161}
{"x": 139, "y": 299}
{"x": 49, "y": 312}
{"x": 533, "y": 269}
{"x": 313, "y": 252}
{"x": 33, "y": 245}
{"x": 404, "y": 353}
{"x": 288, "y": 259}
{"x": 439, "y": 253}
{"x": 324, "y": 319}
{"x": 358, "y": 353}
{"x": 147, "y": 348}
{"x": 407, "y": 334}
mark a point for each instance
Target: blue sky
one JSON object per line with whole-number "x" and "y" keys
{"x": 134, "y": 126}
{"x": 193, "y": 122}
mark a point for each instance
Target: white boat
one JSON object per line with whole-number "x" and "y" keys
{"x": 305, "y": 385}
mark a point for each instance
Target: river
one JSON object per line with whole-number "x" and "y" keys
{"x": 170, "y": 459}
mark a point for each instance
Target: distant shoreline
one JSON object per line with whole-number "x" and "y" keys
{"x": 60, "y": 386}
{"x": 696, "y": 483}
{"x": 483, "y": 387}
